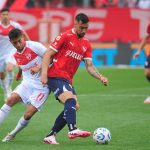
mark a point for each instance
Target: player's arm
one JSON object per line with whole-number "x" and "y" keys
{"x": 91, "y": 69}
{"x": 47, "y": 59}
{"x": 141, "y": 46}
{"x": 26, "y": 37}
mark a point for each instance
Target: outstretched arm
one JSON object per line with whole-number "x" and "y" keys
{"x": 47, "y": 59}
{"x": 91, "y": 69}
{"x": 142, "y": 44}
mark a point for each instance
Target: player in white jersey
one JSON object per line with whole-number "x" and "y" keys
{"x": 31, "y": 91}
{"x": 6, "y": 51}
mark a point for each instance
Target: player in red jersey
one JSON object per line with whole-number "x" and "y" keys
{"x": 67, "y": 51}
{"x": 6, "y": 51}
{"x": 147, "y": 63}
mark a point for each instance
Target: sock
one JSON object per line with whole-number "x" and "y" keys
{"x": 3, "y": 84}
{"x": 5, "y": 109}
{"x": 20, "y": 125}
{"x": 70, "y": 113}
{"x": 59, "y": 124}
{"x": 9, "y": 79}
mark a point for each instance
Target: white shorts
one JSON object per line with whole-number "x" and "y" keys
{"x": 31, "y": 94}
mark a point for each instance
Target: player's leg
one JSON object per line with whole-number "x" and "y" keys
{"x": 37, "y": 98}
{"x": 147, "y": 74}
{"x": 5, "y": 109}
{"x": 22, "y": 123}
{"x": 10, "y": 64}
{"x": 70, "y": 116}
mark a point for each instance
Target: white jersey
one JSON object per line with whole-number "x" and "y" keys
{"x": 30, "y": 57}
{"x": 6, "y": 48}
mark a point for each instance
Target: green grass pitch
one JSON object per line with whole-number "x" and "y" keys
{"x": 118, "y": 107}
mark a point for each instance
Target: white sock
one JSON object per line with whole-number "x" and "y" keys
{"x": 20, "y": 125}
{"x": 3, "y": 84}
{"x": 5, "y": 109}
{"x": 9, "y": 79}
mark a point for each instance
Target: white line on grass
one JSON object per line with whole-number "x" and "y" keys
{"x": 114, "y": 95}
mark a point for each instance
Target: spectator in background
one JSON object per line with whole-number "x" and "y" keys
{"x": 132, "y": 4}
{"x": 143, "y": 4}
{"x": 147, "y": 63}
{"x": 122, "y": 3}
{"x": 105, "y": 3}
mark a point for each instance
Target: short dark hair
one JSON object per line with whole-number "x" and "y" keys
{"x": 82, "y": 17}
{"x": 14, "y": 33}
{"x": 4, "y": 9}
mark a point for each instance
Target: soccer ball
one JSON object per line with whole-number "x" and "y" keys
{"x": 102, "y": 135}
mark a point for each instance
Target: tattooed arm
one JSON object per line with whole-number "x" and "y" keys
{"x": 91, "y": 69}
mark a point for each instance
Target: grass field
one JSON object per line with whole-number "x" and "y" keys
{"x": 118, "y": 107}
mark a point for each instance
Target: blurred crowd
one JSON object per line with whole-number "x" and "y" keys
{"x": 142, "y": 4}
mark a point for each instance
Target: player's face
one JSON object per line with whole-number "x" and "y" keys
{"x": 81, "y": 28}
{"x": 18, "y": 43}
{"x": 5, "y": 16}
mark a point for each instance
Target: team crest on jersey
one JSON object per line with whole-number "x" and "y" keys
{"x": 28, "y": 56}
{"x": 58, "y": 38}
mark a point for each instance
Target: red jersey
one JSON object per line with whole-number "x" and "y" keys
{"x": 71, "y": 50}
{"x": 148, "y": 29}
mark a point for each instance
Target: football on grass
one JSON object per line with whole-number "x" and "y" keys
{"x": 102, "y": 136}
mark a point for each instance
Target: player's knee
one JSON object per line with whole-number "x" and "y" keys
{"x": 28, "y": 115}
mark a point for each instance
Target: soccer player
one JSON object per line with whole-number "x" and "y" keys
{"x": 31, "y": 91}
{"x": 6, "y": 51}
{"x": 67, "y": 51}
{"x": 147, "y": 63}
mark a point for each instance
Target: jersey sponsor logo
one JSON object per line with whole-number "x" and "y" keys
{"x": 74, "y": 55}
{"x": 28, "y": 68}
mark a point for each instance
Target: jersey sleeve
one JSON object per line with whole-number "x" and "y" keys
{"x": 88, "y": 53}
{"x": 58, "y": 42}
{"x": 39, "y": 48}
{"x": 148, "y": 29}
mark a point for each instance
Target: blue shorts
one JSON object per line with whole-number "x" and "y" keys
{"x": 147, "y": 63}
{"x": 59, "y": 86}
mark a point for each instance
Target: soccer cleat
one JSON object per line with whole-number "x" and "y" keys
{"x": 147, "y": 100}
{"x": 50, "y": 140}
{"x": 8, "y": 138}
{"x": 78, "y": 133}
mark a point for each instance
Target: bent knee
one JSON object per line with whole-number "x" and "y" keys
{"x": 28, "y": 115}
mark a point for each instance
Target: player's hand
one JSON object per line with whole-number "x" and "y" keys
{"x": 34, "y": 70}
{"x": 18, "y": 76}
{"x": 136, "y": 55}
{"x": 44, "y": 79}
{"x": 104, "y": 80}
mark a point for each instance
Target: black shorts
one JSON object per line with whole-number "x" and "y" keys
{"x": 147, "y": 63}
{"x": 59, "y": 86}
